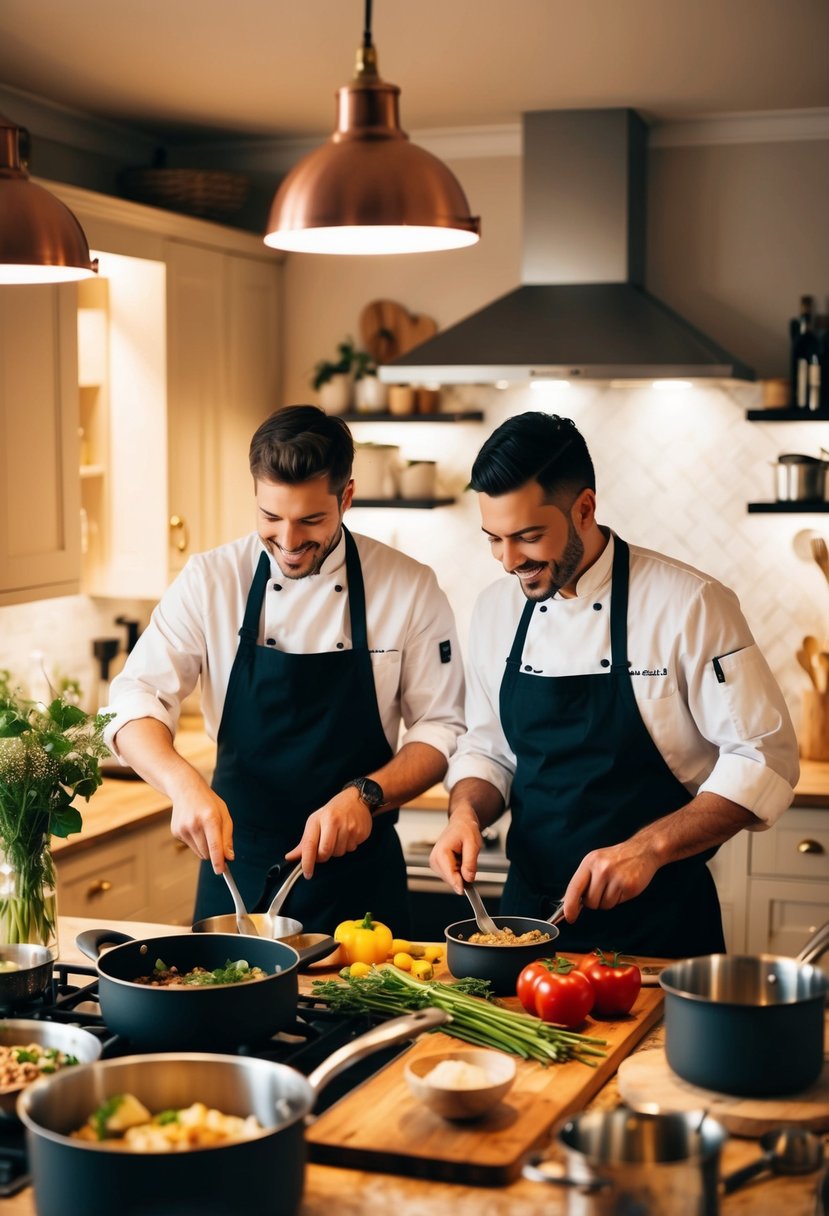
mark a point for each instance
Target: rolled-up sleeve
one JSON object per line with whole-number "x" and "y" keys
{"x": 737, "y": 705}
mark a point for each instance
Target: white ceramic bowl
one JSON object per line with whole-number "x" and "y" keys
{"x": 452, "y": 1103}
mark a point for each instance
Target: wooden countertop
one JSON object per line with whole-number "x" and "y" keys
{"x": 358, "y": 1193}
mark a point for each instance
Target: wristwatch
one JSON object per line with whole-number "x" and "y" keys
{"x": 371, "y": 793}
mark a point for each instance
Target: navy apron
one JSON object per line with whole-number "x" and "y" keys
{"x": 588, "y": 776}
{"x": 294, "y": 729}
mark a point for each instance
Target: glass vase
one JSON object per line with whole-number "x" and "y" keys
{"x": 28, "y": 901}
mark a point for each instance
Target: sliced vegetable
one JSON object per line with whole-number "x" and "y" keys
{"x": 476, "y": 1017}
{"x": 615, "y": 981}
{"x": 559, "y": 992}
{"x": 364, "y": 941}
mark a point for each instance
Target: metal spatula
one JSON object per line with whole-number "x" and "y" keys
{"x": 484, "y": 921}
{"x": 243, "y": 922}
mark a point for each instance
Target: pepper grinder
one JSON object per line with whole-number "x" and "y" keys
{"x": 104, "y": 650}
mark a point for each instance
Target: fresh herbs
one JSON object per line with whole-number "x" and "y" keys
{"x": 233, "y": 972}
{"x": 476, "y": 1017}
{"x": 48, "y": 757}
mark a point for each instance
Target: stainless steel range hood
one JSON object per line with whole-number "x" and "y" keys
{"x": 582, "y": 311}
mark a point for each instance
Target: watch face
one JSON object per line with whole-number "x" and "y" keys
{"x": 370, "y": 792}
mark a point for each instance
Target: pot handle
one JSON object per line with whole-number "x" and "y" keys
{"x": 532, "y": 1170}
{"x": 409, "y": 1026}
{"x": 815, "y": 947}
{"x": 317, "y": 950}
{"x": 91, "y": 941}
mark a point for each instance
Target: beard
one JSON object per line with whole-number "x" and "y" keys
{"x": 307, "y": 561}
{"x": 552, "y": 576}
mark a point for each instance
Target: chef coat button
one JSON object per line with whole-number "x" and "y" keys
{"x": 528, "y": 667}
{"x": 337, "y": 587}
{"x": 277, "y": 586}
{"x": 270, "y": 641}
{"x": 340, "y": 645}
{"x": 605, "y": 662}
{"x": 543, "y": 608}
{"x": 597, "y": 607}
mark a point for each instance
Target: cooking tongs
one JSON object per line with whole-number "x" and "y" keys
{"x": 243, "y": 922}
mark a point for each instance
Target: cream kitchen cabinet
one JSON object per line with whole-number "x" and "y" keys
{"x": 143, "y": 873}
{"x": 197, "y": 372}
{"x": 39, "y": 491}
{"x": 788, "y": 887}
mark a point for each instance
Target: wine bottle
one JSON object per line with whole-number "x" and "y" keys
{"x": 805, "y": 361}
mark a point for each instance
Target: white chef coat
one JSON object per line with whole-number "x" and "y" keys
{"x": 193, "y": 633}
{"x": 704, "y": 690}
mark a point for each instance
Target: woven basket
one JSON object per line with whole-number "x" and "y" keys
{"x": 211, "y": 193}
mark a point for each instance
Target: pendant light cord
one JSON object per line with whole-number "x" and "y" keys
{"x": 367, "y": 26}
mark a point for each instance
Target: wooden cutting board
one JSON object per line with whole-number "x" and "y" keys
{"x": 388, "y": 329}
{"x": 381, "y": 1126}
{"x": 647, "y": 1078}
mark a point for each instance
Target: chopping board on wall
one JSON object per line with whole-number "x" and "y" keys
{"x": 380, "y": 1125}
{"x": 388, "y": 329}
{"x": 647, "y": 1078}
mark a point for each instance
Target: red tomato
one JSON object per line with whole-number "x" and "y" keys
{"x": 527, "y": 980}
{"x": 615, "y": 982}
{"x": 555, "y": 991}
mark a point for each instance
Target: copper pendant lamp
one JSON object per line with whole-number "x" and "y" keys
{"x": 40, "y": 239}
{"x": 368, "y": 190}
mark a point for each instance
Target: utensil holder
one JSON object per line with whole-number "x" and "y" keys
{"x": 814, "y": 726}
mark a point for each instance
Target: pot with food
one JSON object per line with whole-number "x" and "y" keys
{"x": 30, "y": 1050}
{"x": 188, "y": 991}
{"x": 185, "y": 1134}
{"x": 501, "y": 957}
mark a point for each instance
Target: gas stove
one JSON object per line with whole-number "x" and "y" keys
{"x": 72, "y": 998}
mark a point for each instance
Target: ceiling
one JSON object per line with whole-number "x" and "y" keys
{"x": 193, "y": 70}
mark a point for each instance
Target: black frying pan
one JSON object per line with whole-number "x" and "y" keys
{"x": 211, "y": 1018}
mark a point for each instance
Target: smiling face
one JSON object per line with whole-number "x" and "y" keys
{"x": 545, "y": 546}
{"x": 300, "y": 524}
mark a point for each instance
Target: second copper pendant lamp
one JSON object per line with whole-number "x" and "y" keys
{"x": 368, "y": 189}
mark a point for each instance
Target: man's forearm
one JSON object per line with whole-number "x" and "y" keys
{"x": 705, "y": 821}
{"x": 147, "y": 745}
{"x": 415, "y": 768}
{"x": 473, "y": 795}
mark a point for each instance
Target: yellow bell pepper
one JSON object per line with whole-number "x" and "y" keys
{"x": 364, "y": 941}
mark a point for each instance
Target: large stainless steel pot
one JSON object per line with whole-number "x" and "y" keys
{"x": 501, "y": 965}
{"x": 620, "y": 1161}
{"x": 261, "y": 1177}
{"x": 196, "y": 1018}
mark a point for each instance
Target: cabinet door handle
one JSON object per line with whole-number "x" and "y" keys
{"x": 98, "y": 888}
{"x": 177, "y": 524}
{"x": 810, "y": 846}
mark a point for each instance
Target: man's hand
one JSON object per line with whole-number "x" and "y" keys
{"x": 455, "y": 853}
{"x": 335, "y": 829}
{"x": 611, "y": 876}
{"x": 202, "y": 821}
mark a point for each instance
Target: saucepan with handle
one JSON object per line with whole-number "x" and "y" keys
{"x": 265, "y": 916}
{"x": 196, "y": 1017}
{"x": 263, "y": 1176}
{"x": 750, "y": 1025}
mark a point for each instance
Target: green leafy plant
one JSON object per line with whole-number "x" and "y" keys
{"x": 326, "y": 369}
{"x": 364, "y": 365}
{"x": 49, "y": 757}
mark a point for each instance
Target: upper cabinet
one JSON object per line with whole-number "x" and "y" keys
{"x": 177, "y": 364}
{"x": 39, "y": 449}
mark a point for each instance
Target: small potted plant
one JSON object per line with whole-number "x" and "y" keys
{"x": 369, "y": 390}
{"x": 333, "y": 379}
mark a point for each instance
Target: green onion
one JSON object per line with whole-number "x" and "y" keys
{"x": 389, "y": 991}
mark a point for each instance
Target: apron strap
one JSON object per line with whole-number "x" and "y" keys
{"x": 356, "y": 593}
{"x": 514, "y": 658}
{"x": 619, "y": 606}
{"x": 249, "y": 631}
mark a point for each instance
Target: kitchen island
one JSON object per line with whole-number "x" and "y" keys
{"x": 359, "y": 1193}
